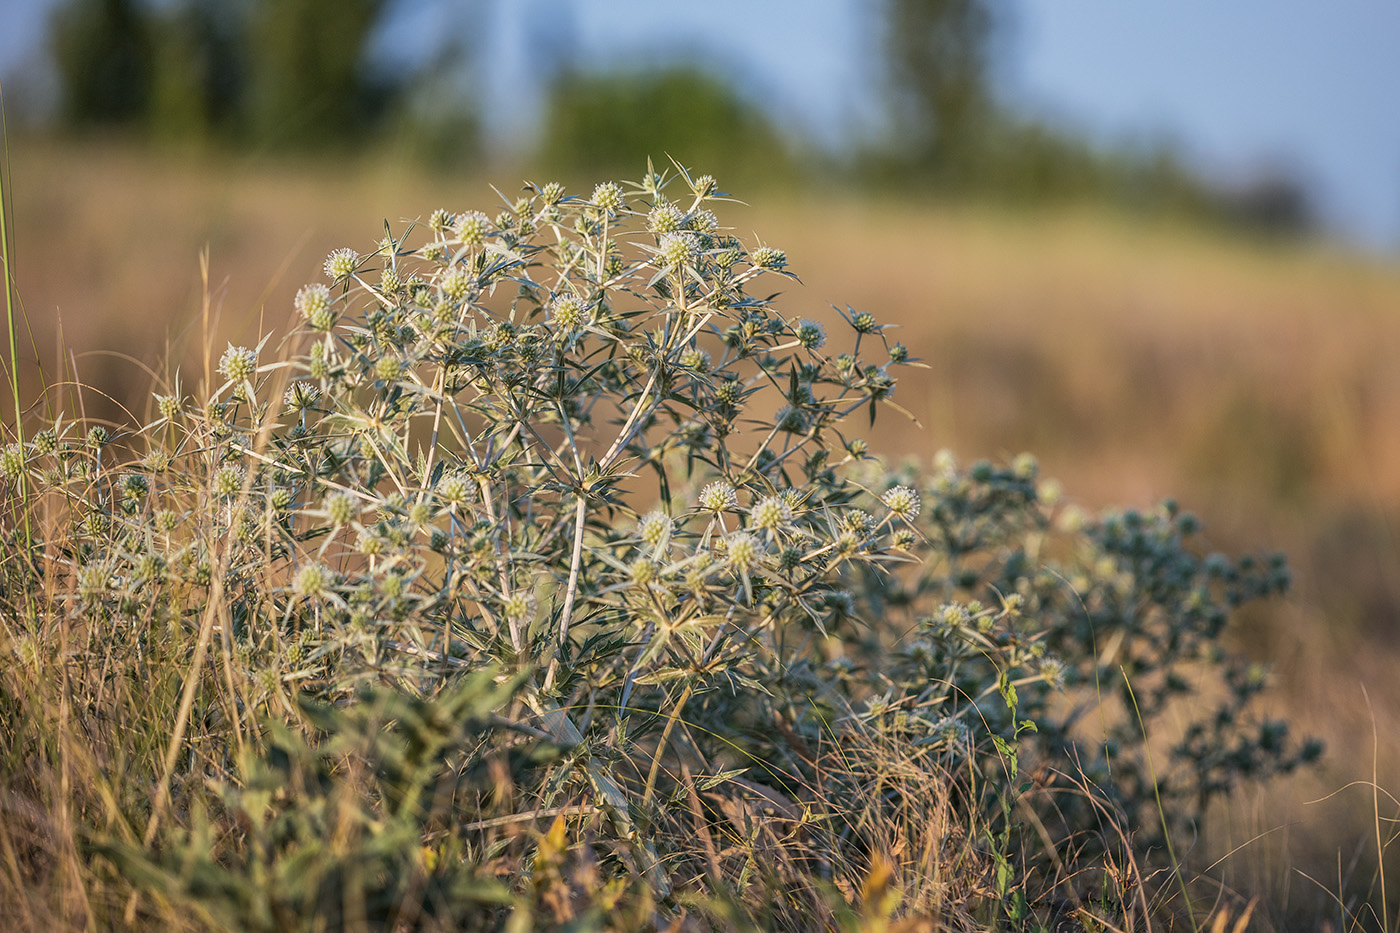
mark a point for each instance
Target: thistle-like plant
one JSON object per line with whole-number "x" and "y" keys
{"x": 576, "y": 444}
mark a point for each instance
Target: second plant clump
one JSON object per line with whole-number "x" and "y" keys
{"x": 550, "y": 519}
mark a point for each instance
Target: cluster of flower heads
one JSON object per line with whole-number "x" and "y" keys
{"x": 567, "y": 438}
{"x": 462, "y": 391}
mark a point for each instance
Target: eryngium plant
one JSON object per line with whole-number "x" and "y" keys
{"x": 573, "y": 445}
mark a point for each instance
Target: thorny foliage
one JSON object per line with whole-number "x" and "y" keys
{"x": 435, "y": 492}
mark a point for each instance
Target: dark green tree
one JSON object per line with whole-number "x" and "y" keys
{"x": 308, "y": 81}
{"x": 937, "y": 61}
{"x": 200, "y": 70}
{"x": 604, "y": 123}
{"x": 102, "y": 50}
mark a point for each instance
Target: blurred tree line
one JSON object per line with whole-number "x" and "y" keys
{"x": 298, "y": 74}
{"x": 274, "y": 74}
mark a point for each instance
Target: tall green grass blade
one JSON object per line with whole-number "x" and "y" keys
{"x": 6, "y": 260}
{"x": 6, "y": 254}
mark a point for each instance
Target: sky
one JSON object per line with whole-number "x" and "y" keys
{"x": 1307, "y": 85}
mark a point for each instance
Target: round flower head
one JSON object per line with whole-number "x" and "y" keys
{"x": 301, "y": 395}
{"x": 313, "y": 300}
{"x": 552, "y": 193}
{"x": 864, "y": 322}
{"x": 718, "y": 496}
{"x": 654, "y": 528}
{"x": 642, "y": 571}
{"x": 608, "y": 197}
{"x": 238, "y": 363}
{"x": 312, "y": 580}
{"x": 790, "y": 419}
{"x": 902, "y": 501}
{"x": 771, "y": 513}
{"x": 704, "y": 222}
{"x": 455, "y": 489}
{"x": 456, "y": 283}
{"x": 744, "y": 551}
{"x": 370, "y": 544}
{"x": 471, "y": 227}
{"x": 857, "y": 520}
{"x": 766, "y": 257}
{"x": 705, "y": 185}
{"x": 566, "y": 312}
{"x": 676, "y": 249}
{"x": 665, "y": 218}
{"x": 811, "y": 335}
{"x": 440, "y": 220}
{"x": 341, "y": 508}
{"x": 135, "y": 485}
{"x": 388, "y": 368}
{"x": 517, "y": 606}
{"x": 696, "y": 359}
{"x": 341, "y": 263}
{"x": 228, "y": 482}
{"x": 12, "y": 462}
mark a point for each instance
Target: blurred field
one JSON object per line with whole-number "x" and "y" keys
{"x": 1257, "y": 384}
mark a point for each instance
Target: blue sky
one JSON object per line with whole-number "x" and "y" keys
{"x": 1306, "y": 84}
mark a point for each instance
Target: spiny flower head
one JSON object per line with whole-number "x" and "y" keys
{"x": 135, "y": 485}
{"x": 677, "y": 249}
{"x": 864, "y": 322}
{"x": 664, "y": 218}
{"x": 456, "y": 489}
{"x": 456, "y": 283}
{"x": 772, "y": 513}
{"x": 566, "y": 312}
{"x": 239, "y": 363}
{"x": 228, "y": 482}
{"x": 608, "y": 197}
{"x": 341, "y": 263}
{"x": 440, "y": 220}
{"x": 728, "y": 392}
{"x": 696, "y": 359}
{"x": 811, "y": 335}
{"x": 643, "y": 570}
{"x": 766, "y": 257}
{"x": 654, "y": 528}
{"x": 744, "y": 551}
{"x": 704, "y": 223}
{"x": 301, "y": 395}
{"x": 12, "y": 462}
{"x": 472, "y": 227}
{"x": 517, "y": 606}
{"x": 902, "y": 501}
{"x": 718, "y": 496}
{"x": 312, "y": 580}
{"x": 340, "y": 507}
{"x": 388, "y": 368}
